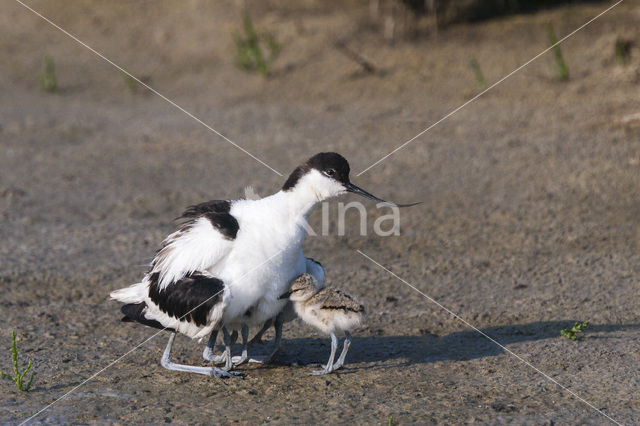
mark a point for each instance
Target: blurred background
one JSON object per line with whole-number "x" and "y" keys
{"x": 530, "y": 213}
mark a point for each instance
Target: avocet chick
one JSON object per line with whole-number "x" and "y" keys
{"x": 329, "y": 310}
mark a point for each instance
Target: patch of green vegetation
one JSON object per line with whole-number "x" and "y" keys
{"x": 48, "y": 80}
{"x": 558, "y": 59}
{"x": 18, "y": 378}
{"x": 249, "y": 49}
{"x": 480, "y": 80}
{"x": 135, "y": 83}
{"x": 572, "y": 333}
{"x": 622, "y": 50}
{"x": 129, "y": 81}
{"x": 390, "y": 420}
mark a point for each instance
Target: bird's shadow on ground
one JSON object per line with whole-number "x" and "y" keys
{"x": 458, "y": 346}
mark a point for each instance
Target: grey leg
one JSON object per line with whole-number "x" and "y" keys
{"x": 343, "y": 354}
{"x": 229, "y": 340}
{"x": 257, "y": 339}
{"x": 277, "y": 346}
{"x": 209, "y": 351}
{"x": 277, "y": 324}
{"x": 329, "y": 367}
{"x": 245, "y": 345}
{"x": 207, "y": 371}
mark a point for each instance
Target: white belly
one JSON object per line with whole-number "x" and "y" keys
{"x": 258, "y": 288}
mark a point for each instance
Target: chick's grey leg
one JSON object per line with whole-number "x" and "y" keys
{"x": 329, "y": 367}
{"x": 245, "y": 344}
{"x": 257, "y": 339}
{"x": 277, "y": 346}
{"x": 229, "y": 340}
{"x": 207, "y": 371}
{"x": 277, "y": 325}
{"x": 343, "y": 354}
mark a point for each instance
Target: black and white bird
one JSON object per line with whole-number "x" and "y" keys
{"x": 230, "y": 258}
{"x": 330, "y": 311}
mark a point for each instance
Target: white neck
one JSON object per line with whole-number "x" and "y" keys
{"x": 311, "y": 189}
{"x": 296, "y": 203}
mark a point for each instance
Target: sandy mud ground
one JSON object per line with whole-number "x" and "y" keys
{"x": 529, "y": 222}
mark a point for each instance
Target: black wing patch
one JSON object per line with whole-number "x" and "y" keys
{"x": 188, "y": 299}
{"x": 217, "y": 211}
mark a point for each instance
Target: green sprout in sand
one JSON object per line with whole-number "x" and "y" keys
{"x": 622, "y": 50}
{"x": 572, "y": 333}
{"x": 48, "y": 79}
{"x": 480, "y": 80}
{"x": 249, "y": 52}
{"x": 558, "y": 59}
{"x": 129, "y": 81}
{"x": 18, "y": 379}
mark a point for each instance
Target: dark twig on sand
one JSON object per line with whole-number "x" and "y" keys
{"x": 367, "y": 66}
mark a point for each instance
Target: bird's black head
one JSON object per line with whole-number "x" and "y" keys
{"x": 330, "y": 164}
{"x": 327, "y": 175}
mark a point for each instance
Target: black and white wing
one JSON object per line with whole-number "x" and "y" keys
{"x": 204, "y": 239}
{"x": 179, "y": 290}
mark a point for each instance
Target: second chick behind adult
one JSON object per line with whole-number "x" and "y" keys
{"x": 329, "y": 310}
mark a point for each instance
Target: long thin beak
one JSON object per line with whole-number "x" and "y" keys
{"x": 357, "y": 190}
{"x": 285, "y": 295}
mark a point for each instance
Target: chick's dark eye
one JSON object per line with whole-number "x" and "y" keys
{"x": 330, "y": 172}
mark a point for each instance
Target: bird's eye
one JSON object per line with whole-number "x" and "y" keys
{"x": 330, "y": 172}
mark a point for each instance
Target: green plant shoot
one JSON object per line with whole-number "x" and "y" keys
{"x": 622, "y": 50}
{"x": 129, "y": 81}
{"x": 572, "y": 333}
{"x": 480, "y": 80}
{"x": 19, "y": 377}
{"x": 48, "y": 80}
{"x": 249, "y": 54}
{"x": 561, "y": 66}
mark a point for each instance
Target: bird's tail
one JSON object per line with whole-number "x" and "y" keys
{"x": 133, "y": 294}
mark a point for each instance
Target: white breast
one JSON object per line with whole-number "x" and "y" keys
{"x": 265, "y": 257}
